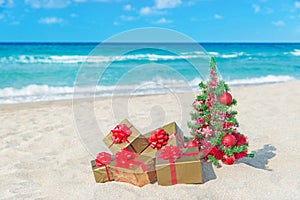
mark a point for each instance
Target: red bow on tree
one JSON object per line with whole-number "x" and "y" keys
{"x": 158, "y": 139}
{"x": 120, "y": 134}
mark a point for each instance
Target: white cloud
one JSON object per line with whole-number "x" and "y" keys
{"x": 48, "y": 3}
{"x": 151, "y": 11}
{"x": 278, "y": 23}
{"x": 191, "y": 2}
{"x": 256, "y": 8}
{"x": 116, "y": 23}
{"x": 126, "y": 18}
{"x": 146, "y": 11}
{"x": 51, "y": 20}
{"x": 162, "y": 4}
{"x": 127, "y": 7}
{"x": 216, "y": 16}
{"x": 297, "y": 4}
{"x": 163, "y": 21}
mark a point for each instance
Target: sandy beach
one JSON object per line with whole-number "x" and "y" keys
{"x": 44, "y": 157}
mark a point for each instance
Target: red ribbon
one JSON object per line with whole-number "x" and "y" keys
{"x": 103, "y": 159}
{"x": 158, "y": 139}
{"x": 172, "y": 153}
{"x": 126, "y": 159}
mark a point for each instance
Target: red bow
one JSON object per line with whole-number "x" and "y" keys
{"x": 102, "y": 159}
{"x": 125, "y": 159}
{"x": 158, "y": 139}
{"x": 170, "y": 153}
{"x": 120, "y": 134}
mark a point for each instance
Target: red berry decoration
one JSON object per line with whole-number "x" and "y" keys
{"x": 225, "y": 98}
{"x": 228, "y": 160}
{"x": 228, "y": 140}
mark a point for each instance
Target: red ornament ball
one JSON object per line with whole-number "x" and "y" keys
{"x": 228, "y": 160}
{"x": 225, "y": 98}
{"x": 229, "y": 140}
{"x": 241, "y": 139}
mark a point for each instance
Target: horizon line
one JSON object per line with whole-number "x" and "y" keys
{"x": 94, "y": 42}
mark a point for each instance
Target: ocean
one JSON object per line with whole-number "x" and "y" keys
{"x": 31, "y": 72}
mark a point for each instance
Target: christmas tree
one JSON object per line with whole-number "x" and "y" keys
{"x": 214, "y": 125}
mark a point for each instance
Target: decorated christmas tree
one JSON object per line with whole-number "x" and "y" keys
{"x": 214, "y": 126}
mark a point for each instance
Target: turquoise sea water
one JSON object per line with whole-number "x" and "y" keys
{"x": 49, "y": 71}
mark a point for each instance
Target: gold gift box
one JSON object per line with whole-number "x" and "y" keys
{"x": 100, "y": 173}
{"x": 171, "y": 129}
{"x": 135, "y": 175}
{"x": 137, "y": 142}
{"x": 188, "y": 169}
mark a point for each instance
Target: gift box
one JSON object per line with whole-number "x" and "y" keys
{"x": 125, "y": 135}
{"x": 102, "y": 172}
{"x": 133, "y": 168}
{"x": 158, "y": 140}
{"x": 175, "y": 165}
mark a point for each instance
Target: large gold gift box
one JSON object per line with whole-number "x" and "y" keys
{"x": 135, "y": 175}
{"x": 175, "y": 134}
{"x": 186, "y": 169}
{"x": 136, "y": 142}
{"x": 102, "y": 174}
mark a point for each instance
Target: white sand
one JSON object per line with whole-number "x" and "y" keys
{"x": 43, "y": 157}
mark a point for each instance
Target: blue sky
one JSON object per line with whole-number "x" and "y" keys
{"x": 203, "y": 20}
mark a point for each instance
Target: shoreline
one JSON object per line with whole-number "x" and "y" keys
{"x": 67, "y": 101}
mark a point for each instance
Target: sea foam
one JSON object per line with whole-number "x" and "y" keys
{"x": 35, "y": 93}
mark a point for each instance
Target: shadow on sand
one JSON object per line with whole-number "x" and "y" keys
{"x": 208, "y": 172}
{"x": 261, "y": 157}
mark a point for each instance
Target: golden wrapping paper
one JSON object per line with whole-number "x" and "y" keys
{"x": 100, "y": 173}
{"x": 175, "y": 140}
{"x": 188, "y": 169}
{"x": 135, "y": 175}
{"x": 137, "y": 142}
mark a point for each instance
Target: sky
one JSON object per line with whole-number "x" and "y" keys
{"x": 97, "y": 20}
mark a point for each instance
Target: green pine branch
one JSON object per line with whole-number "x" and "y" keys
{"x": 213, "y": 160}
